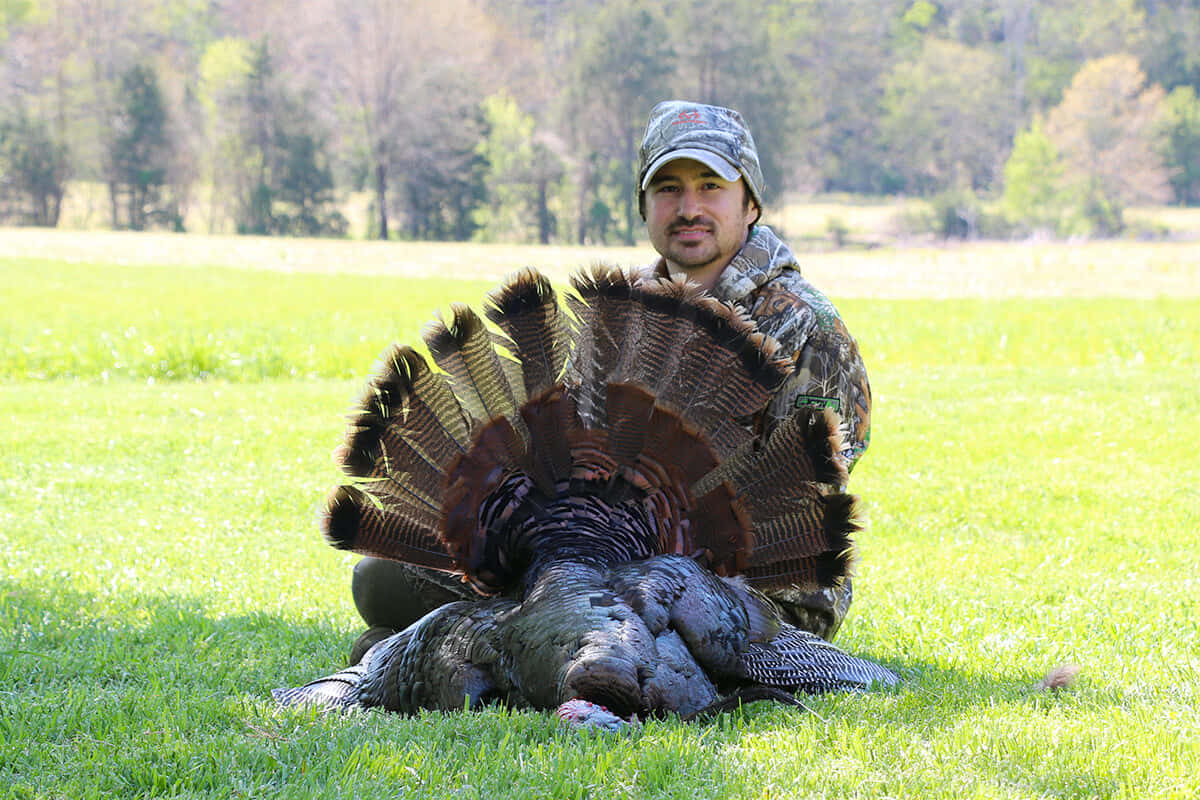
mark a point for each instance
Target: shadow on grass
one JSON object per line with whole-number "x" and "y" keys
{"x": 51, "y": 636}
{"x": 157, "y": 693}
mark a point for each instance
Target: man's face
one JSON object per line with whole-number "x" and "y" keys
{"x": 697, "y": 220}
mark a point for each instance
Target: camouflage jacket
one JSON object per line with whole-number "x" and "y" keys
{"x": 764, "y": 278}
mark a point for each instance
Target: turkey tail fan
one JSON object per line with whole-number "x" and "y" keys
{"x": 641, "y": 399}
{"x": 526, "y": 308}
{"x": 389, "y": 528}
{"x": 699, "y": 342}
{"x": 802, "y": 533}
{"x": 407, "y": 429}
{"x": 607, "y": 336}
{"x": 697, "y": 356}
{"x": 465, "y": 349}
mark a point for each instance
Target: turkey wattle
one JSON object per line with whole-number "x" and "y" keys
{"x": 603, "y": 476}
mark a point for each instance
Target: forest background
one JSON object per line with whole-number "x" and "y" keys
{"x": 518, "y": 121}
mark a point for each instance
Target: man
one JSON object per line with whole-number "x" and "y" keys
{"x": 700, "y": 193}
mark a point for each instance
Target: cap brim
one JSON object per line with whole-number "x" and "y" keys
{"x": 714, "y": 161}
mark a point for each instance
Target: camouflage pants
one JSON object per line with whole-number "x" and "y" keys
{"x": 391, "y": 595}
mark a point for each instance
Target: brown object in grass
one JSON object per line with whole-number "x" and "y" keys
{"x": 1060, "y": 677}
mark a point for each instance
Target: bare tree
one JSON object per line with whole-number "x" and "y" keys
{"x": 398, "y": 71}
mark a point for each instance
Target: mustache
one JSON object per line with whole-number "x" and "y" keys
{"x": 694, "y": 222}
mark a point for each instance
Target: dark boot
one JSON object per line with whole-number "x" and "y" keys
{"x": 390, "y": 596}
{"x": 369, "y": 638}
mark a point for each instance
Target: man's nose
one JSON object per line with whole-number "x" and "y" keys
{"x": 689, "y": 204}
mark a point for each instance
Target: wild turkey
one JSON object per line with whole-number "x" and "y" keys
{"x": 600, "y": 474}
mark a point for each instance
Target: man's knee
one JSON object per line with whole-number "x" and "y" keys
{"x": 390, "y": 594}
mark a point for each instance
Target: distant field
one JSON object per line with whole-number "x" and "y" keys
{"x": 984, "y": 270}
{"x": 167, "y": 410}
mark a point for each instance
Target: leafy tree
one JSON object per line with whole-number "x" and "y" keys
{"x": 1182, "y": 153}
{"x": 1067, "y": 33}
{"x": 741, "y": 66}
{"x": 1033, "y": 180}
{"x": 443, "y": 178}
{"x": 623, "y": 69}
{"x": 234, "y": 75}
{"x": 1108, "y": 130}
{"x": 839, "y": 52}
{"x": 139, "y": 154}
{"x": 1170, "y": 50}
{"x": 34, "y": 168}
{"x": 522, "y": 173}
{"x": 11, "y": 12}
{"x": 945, "y": 118}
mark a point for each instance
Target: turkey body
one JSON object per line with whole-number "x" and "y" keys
{"x": 606, "y": 481}
{"x": 659, "y": 635}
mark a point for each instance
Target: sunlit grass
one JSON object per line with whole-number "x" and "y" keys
{"x": 111, "y": 322}
{"x": 1031, "y": 494}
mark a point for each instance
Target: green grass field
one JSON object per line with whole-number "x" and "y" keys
{"x": 1031, "y": 496}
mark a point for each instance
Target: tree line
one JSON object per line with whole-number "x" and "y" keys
{"x": 519, "y": 120}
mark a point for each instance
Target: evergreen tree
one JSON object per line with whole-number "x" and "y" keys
{"x": 444, "y": 180}
{"x": 34, "y": 168}
{"x": 1182, "y": 152}
{"x": 277, "y": 163}
{"x": 305, "y": 188}
{"x": 139, "y": 154}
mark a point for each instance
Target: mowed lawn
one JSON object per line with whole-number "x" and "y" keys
{"x": 1030, "y": 494}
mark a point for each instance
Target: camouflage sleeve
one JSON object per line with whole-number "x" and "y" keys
{"x": 829, "y": 370}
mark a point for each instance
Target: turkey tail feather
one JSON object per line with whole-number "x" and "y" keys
{"x": 465, "y": 350}
{"x": 337, "y": 691}
{"x": 386, "y": 528}
{"x": 802, "y": 530}
{"x": 799, "y": 660}
{"x": 607, "y": 336}
{"x": 407, "y": 430}
{"x": 526, "y": 308}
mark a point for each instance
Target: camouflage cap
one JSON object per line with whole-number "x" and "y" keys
{"x": 716, "y": 137}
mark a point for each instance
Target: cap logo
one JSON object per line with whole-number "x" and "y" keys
{"x": 689, "y": 117}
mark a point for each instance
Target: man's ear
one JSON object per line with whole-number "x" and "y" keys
{"x": 757, "y": 216}
{"x": 642, "y": 204}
